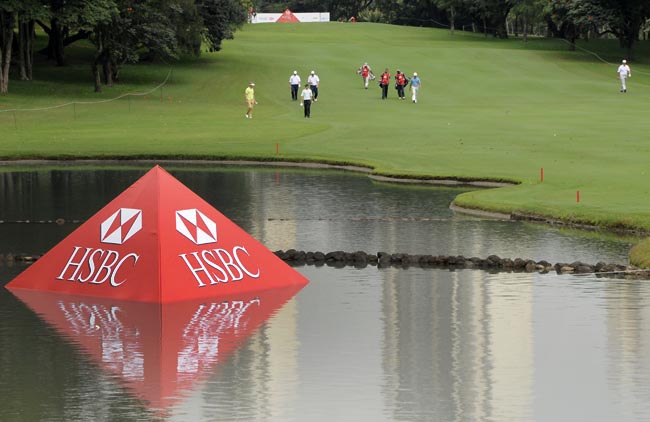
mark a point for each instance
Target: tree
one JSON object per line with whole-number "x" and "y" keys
{"x": 452, "y": 7}
{"x": 496, "y": 13}
{"x": 29, "y": 12}
{"x": 220, "y": 20}
{"x": 12, "y": 13}
{"x": 529, "y": 11}
{"x": 7, "y": 24}
{"x": 125, "y": 31}
{"x": 626, "y": 17}
{"x": 69, "y": 21}
{"x": 188, "y": 26}
{"x": 622, "y": 18}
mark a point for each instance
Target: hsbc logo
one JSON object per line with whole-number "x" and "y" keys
{"x": 212, "y": 266}
{"x": 196, "y": 226}
{"x": 97, "y": 266}
{"x": 121, "y": 226}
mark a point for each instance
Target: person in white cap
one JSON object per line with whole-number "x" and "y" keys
{"x": 249, "y": 95}
{"x": 294, "y": 82}
{"x": 313, "y": 80}
{"x": 415, "y": 87}
{"x": 624, "y": 72}
{"x": 366, "y": 73}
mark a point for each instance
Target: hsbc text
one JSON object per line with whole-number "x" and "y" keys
{"x": 96, "y": 266}
{"x": 213, "y": 266}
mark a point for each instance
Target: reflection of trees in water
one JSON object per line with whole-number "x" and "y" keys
{"x": 76, "y": 194}
{"x": 449, "y": 350}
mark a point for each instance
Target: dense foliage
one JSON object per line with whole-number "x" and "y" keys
{"x": 569, "y": 19}
{"x": 122, "y": 31}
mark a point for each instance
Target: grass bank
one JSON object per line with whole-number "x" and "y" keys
{"x": 497, "y": 110}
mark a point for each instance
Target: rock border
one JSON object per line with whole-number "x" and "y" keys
{"x": 492, "y": 263}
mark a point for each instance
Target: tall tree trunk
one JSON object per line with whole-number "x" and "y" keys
{"x": 97, "y": 62}
{"x": 525, "y": 28}
{"x": 29, "y": 58}
{"x": 7, "y": 22}
{"x": 21, "y": 52}
{"x": 55, "y": 46}
{"x": 108, "y": 71}
{"x": 25, "y": 49}
{"x": 97, "y": 76}
{"x": 452, "y": 19}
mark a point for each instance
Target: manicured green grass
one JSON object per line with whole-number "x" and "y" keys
{"x": 489, "y": 109}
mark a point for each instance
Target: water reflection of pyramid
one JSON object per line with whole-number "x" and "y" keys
{"x": 158, "y": 350}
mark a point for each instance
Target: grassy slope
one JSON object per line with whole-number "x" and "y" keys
{"x": 488, "y": 109}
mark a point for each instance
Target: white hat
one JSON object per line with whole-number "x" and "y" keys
{"x": 415, "y": 73}
{"x": 624, "y": 61}
{"x": 312, "y": 72}
{"x": 252, "y": 84}
{"x": 295, "y": 72}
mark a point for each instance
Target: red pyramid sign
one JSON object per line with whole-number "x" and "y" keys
{"x": 158, "y": 242}
{"x": 288, "y": 16}
{"x": 158, "y": 351}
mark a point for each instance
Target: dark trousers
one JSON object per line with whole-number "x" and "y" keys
{"x": 307, "y": 107}
{"x": 314, "y": 89}
{"x": 384, "y": 91}
{"x": 400, "y": 91}
{"x": 294, "y": 92}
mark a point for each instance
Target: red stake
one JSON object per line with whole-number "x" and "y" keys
{"x": 577, "y": 196}
{"x": 277, "y": 149}
{"x": 541, "y": 174}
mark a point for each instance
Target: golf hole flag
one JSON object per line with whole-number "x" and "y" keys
{"x": 158, "y": 242}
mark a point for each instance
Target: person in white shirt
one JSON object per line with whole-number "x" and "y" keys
{"x": 313, "y": 80}
{"x": 624, "y": 72}
{"x": 294, "y": 82}
{"x": 415, "y": 87}
{"x": 306, "y": 96}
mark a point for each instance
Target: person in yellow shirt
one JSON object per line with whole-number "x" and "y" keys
{"x": 249, "y": 95}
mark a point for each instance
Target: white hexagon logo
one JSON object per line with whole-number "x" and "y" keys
{"x": 196, "y": 226}
{"x": 121, "y": 226}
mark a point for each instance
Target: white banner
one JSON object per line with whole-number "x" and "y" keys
{"x": 302, "y": 17}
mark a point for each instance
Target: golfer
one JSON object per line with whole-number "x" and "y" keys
{"x": 294, "y": 83}
{"x": 249, "y": 95}
{"x": 624, "y": 72}
{"x": 415, "y": 87}
{"x": 314, "y": 81}
{"x": 307, "y": 95}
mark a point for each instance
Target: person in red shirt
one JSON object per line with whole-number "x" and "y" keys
{"x": 385, "y": 81}
{"x": 366, "y": 73}
{"x": 400, "y": 83}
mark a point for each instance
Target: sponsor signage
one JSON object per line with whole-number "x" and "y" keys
{"x": 158, "y": 242}
{"x": 158, "y": 351}
{"x": 289, "y": 16}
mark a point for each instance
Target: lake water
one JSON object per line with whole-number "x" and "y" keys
{"x": 369, "y": 344}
